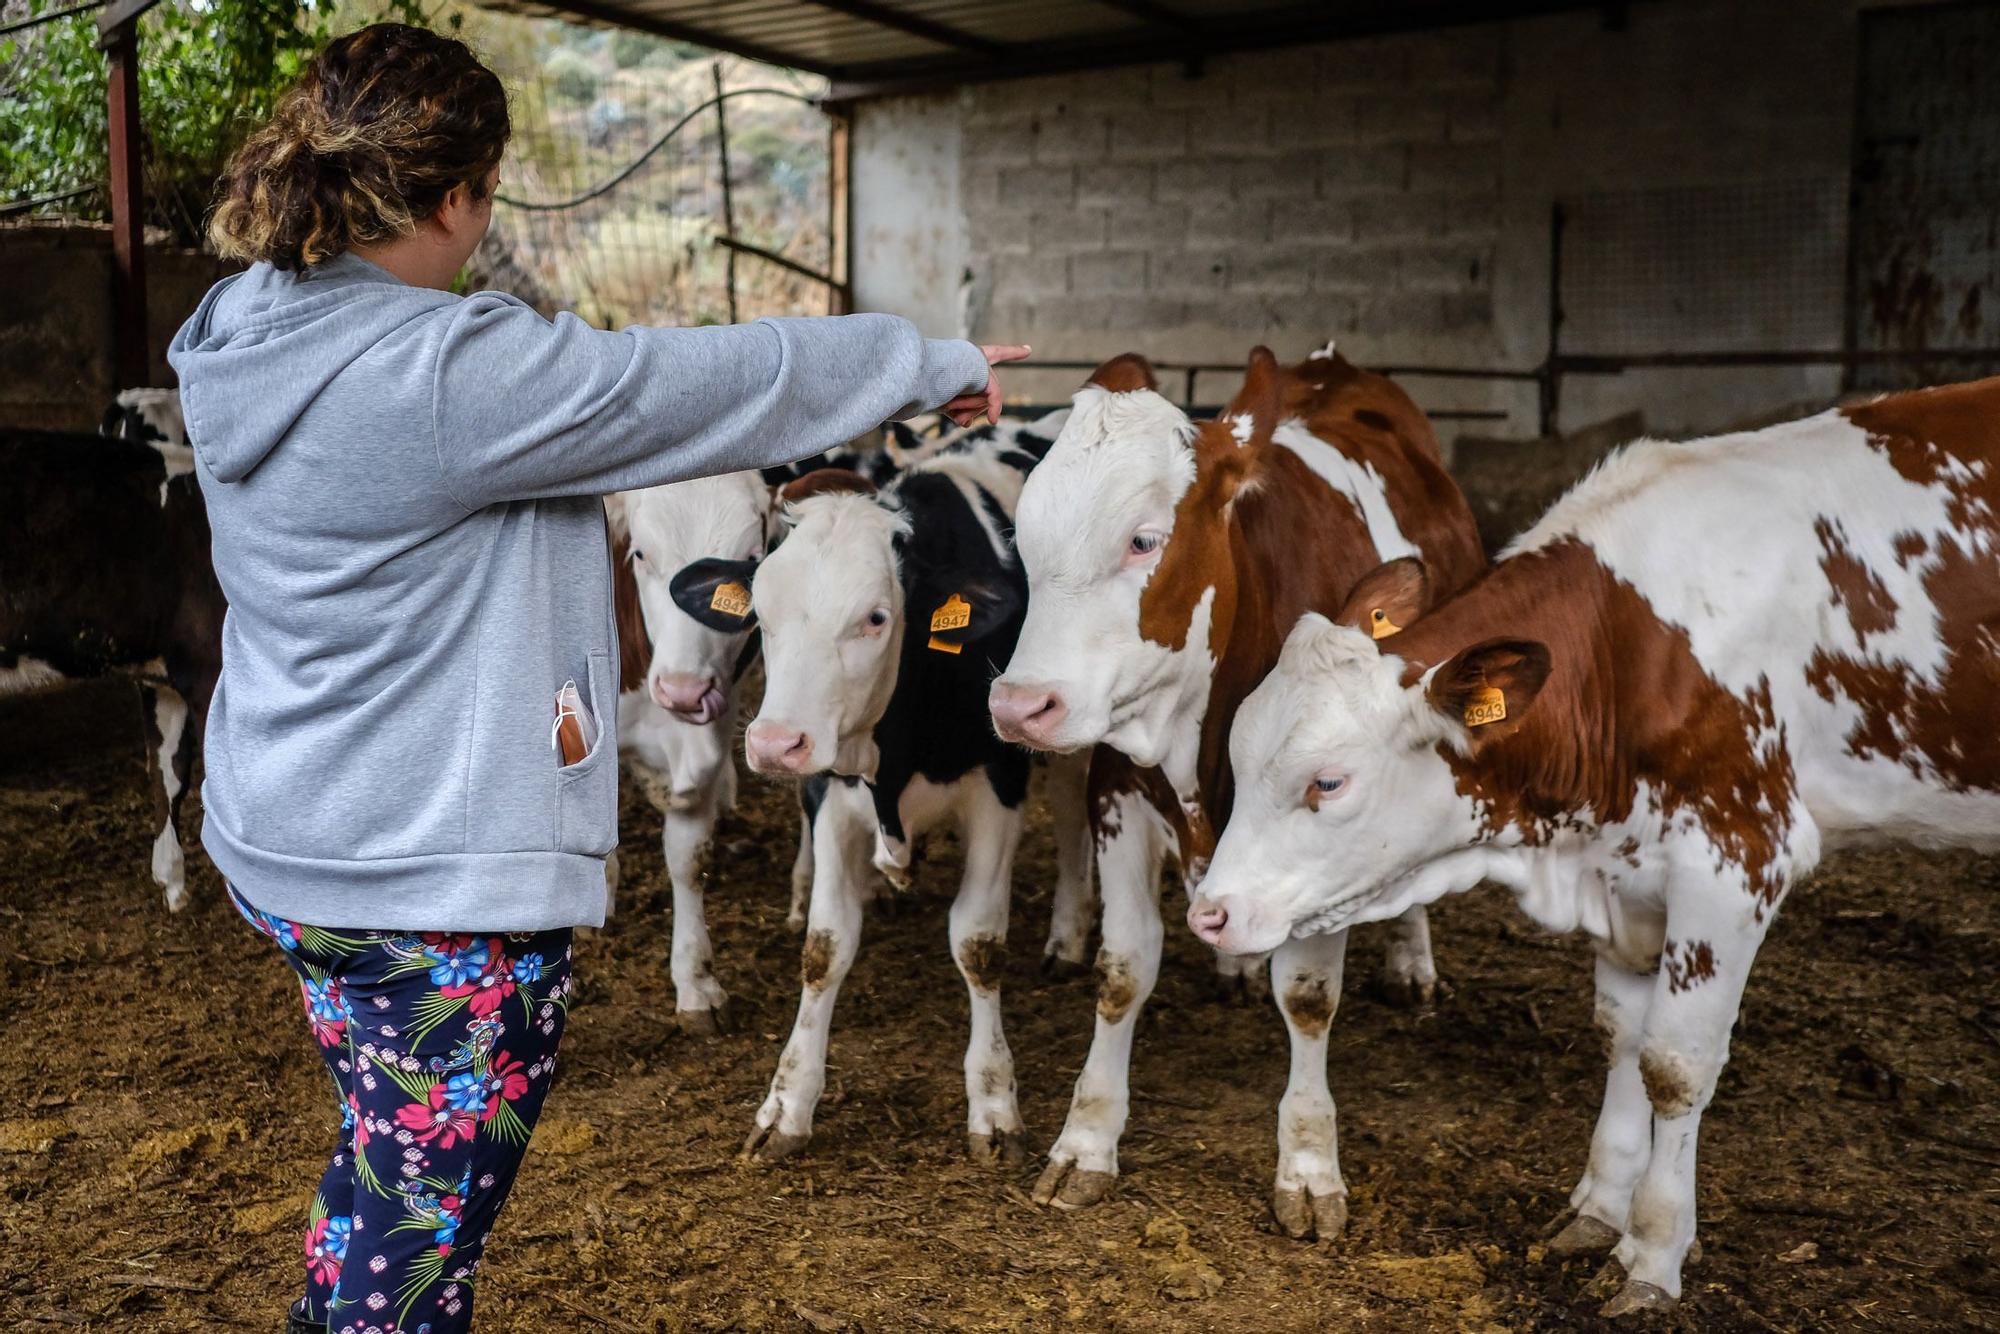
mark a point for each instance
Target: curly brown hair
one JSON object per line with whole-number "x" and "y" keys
{"x": 381, "y": 126}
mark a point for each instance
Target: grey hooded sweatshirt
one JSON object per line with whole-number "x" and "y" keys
{"x": 403, "y": 486}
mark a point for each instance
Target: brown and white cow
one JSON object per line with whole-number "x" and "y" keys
{"x": 1166, "y": 560}
{"x": 104, "y": 567}
{"x": 1708, "y": 661}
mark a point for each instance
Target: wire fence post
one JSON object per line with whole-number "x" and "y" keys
{"x": 728, "y": 202}
{"x": 120, "y": 41}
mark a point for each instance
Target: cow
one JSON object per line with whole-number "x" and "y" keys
{"x": 1707, "y": 662}
{"x": 1166, "y": 559}
{"x": 679, "y": 693}
{"x": 884, "y": 615}
{"x": 104, "y": 567}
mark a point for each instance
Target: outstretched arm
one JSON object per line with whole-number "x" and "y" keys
{"x": 526, "y": 407}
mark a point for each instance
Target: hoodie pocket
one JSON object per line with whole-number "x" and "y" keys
{"x": 587, "y": 791}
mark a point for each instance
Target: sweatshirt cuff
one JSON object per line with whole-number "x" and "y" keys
{"x": 952, "y": 367}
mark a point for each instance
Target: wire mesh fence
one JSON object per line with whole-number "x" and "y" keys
{"x": 612, "y": 201}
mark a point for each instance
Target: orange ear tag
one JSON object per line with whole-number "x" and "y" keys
{"x": 955, "y": 614}
{"x": 731, "y": 599}
{"x": 1488, "y": 704}
{"x": 1380, "y": 626}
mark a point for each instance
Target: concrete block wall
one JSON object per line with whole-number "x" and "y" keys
{"x": 1391, "y": 193}
{"x": 1293, "y": 196}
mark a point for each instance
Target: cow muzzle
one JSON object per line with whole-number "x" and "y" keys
{"x": 691, "y": 697}
{"x": 1029, "y": 715}
{"x": 777, "y": 749}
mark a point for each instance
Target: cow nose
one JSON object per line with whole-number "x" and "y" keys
{"x": 774, "y": 748}
{"x": 681, "y": 691}
{"x": 1206, "y": 918}
{"x": 1026, "y": 713}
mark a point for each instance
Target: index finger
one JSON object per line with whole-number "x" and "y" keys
{"x": 997, "y": 353}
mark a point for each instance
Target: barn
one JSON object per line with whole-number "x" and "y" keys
{"x": 1558, "y": 227}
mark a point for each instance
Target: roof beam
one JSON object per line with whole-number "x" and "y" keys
{"x": 882, "y": 16}
{"x": 1294, "y": 25}
{"x": 616, "y": 16}
{"x": 1155, "y": 15}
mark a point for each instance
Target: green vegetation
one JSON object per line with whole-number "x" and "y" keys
{"x": 587, "y": 103}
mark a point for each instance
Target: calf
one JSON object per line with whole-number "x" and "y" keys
{"x": 1705, "y": 662}
{"x": 677, "y": 713}
{"x": 1165, "y": 562}
{"x": 884, "y": 615}
{"x": 104, "y": 567}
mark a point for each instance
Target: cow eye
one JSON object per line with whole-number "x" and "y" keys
{"x": 1145, "y": 542}
{"x": 638, "y": 556}
{"x": 878, "y": 618}
{"x": 1324, "y": 788}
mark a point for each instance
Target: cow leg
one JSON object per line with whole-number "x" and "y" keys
{"x": 1309, "y": 1198}
{"x": 1243, "y": 976}
{"x": 1712, "y": 939}
{"x": 1069, "y": 915}
{"x": 991, "y": 831}
{"x": 1623, "y": 1138}
{"x": 169, "y": 768}
{"x": 1409, "y": 974}
{"x": 699, "y": 999}
{"x": 843, "y": 831}
{"x": 1084, "y": 1160}
{"x": 802, "y": 874}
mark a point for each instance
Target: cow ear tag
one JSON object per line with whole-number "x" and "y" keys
{"x": 955, "y": 614}
{"x": 731, "y": 599}
{"x": 1380, "y": 626}
{"x": 1488, "y": 704}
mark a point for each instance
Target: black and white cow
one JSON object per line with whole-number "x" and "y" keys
{"x": 885, "y": 616}
{"x": 104, "y": 567}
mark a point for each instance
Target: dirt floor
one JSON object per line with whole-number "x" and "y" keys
{"x": 162, "y": 1112}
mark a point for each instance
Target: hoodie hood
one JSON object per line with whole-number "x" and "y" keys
{"x": 264, "y": 344}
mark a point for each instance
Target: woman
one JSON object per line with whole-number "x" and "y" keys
{"x": 403, "y": 486}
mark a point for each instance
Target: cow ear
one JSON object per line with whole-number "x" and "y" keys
{"x": 1489, "y": 686}
{"x": 1125, "y": 374}
{"x": 953, "y": 610}
{"x": 1259, "y": 403}
{"x": 716, "y": 593}
{"x": 1388, "y": 598}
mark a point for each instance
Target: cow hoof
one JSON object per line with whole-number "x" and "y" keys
{"x": 177, "y": 897}
{"x": 1693, "y": 1257}
{"x": 768, "y": 1144}
{"x": 1306, "y": 1217}
{"x": 703, "y": 1023}
{"x": 1002, "y": 1148}
{"x": 795, "y": 922}
{"x": 1409, "y": 993}
{"x": 1584, "y": 1236}
{"x": 1067, "y": 1186}
{"x": 1058, "y": 969}
{"x": 1636, "y": 1297}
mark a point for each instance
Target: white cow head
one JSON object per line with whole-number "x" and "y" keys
{"x": 1348, "y": 808}
{"x": 708, "y": 526}
{"x": 1123, "y": 534}
{"x": 837, "y": 599}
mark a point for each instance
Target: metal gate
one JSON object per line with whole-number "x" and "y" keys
{"x": 1925, "y": 257}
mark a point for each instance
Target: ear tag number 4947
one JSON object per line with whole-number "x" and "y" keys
{"x": 955, "y": 614}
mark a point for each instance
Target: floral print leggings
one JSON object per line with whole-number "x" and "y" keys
{"x": 442, "y": 1048}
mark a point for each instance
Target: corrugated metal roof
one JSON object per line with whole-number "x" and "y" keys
{"x": 873, "y": 46}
